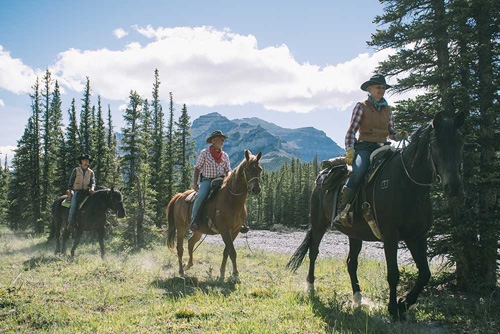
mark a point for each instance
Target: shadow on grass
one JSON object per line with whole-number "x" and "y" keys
{"x": 181, "y": 286}
{"x": 38, "y": 261}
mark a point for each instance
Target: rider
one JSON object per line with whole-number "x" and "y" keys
{"x": 374, "y": 120}
{"x": 212, "y": 162}
{"x": 82, "y": 179}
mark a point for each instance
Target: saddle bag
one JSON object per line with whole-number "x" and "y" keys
{"x": 334, "y": 173}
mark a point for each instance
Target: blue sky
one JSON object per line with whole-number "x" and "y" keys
{"x": 287, "y": 62}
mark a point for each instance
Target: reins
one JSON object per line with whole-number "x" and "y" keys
{"x": 435, "y": 175}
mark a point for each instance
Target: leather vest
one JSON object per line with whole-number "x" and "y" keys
{"x": 82, "y": 181}
{"x": 374, "y": 125}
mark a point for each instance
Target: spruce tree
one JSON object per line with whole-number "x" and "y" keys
{"x": 185, "y": 151}
{"x": 86, "y": 121}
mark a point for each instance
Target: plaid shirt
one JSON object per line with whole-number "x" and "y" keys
{"x": 357, "y": 115}
{"x": 211, "y": 169}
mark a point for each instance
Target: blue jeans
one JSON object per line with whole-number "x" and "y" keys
{"x": 200, "y": 198}
{"x": 74, "y": 206}
{"x": 361, "y": 163}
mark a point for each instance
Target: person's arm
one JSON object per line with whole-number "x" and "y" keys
{"x": 92, "y": 183}
{"x": 196, "y": 176}
{"x": 72, "y": 178}
{"x": 393, "y": 134}
{"x": 350, "y": 137}
{"x": 227, "y": 164}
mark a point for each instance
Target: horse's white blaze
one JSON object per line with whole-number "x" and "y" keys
{"x": 357, "y": 298}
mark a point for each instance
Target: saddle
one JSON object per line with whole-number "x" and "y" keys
{"x": 215, "y": 186}
{"x": 80, "y": 200}
{"x": 333, "y": 178}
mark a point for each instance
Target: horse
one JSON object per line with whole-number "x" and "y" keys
{"x": 90, "y": 217}
{"x": 403, "y": 209}
{"x": 227, "y": 212}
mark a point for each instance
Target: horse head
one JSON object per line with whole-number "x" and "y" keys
{"x": 446, "y": 146}
{"x": 252, "y": 171}
{"x": 116, "y": 202}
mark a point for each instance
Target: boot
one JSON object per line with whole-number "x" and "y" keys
{"x": 348, "y": 195}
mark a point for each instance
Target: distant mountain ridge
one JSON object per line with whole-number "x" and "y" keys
{"x": 278, "y": 145}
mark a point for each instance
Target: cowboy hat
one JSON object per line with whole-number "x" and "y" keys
{"x": 83, "y": 157}
{"x": 216, "y": 133}
{"x": 377, "y": 79}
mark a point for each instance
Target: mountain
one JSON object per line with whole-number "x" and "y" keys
{"x": 278, "y": 145}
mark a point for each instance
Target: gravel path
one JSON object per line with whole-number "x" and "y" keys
{"x": 334, "y": 244}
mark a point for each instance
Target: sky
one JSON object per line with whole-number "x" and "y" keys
{"x": 291, "y": 63}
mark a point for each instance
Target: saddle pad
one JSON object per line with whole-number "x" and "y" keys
{"x": 67, "y": 204}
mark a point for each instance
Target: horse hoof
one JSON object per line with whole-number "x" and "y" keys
{"x": 310, "y": 288}
{"x": 357, "y": 298}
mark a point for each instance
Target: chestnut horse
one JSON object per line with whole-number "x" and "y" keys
{"x": 226, "y": 210}
{"x": 400, "y": 196}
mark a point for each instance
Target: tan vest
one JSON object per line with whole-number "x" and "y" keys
{"x": 374, "y": 125}
{"x": 82, "y": 181}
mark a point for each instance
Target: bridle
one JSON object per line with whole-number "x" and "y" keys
{"x": 114, "y": 204}
{"x": 247, "y": 181}
{"x": 435, "y": 174}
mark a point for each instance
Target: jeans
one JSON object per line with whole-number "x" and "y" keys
{"x": 200, "y": 198}
{"x": 361, "y": 163}
{"x": 73, "y": 207}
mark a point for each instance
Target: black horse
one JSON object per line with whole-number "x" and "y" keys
{"x": 90, "y": 217}
{"x": 402, "y": 207}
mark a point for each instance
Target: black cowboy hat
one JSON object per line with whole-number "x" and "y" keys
{"x": 84, "y": 156}
{"x": 216, "y": 133}
{"x": 377, "y": 79}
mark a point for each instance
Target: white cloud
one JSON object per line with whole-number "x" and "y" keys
{"x": 2, "y": 104}
{"x": 120, "y": 33}
{"x": 209, "y": 67}
{"x": 14, "y": 75}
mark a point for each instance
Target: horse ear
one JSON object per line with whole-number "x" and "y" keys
{"x": 437, "y": 119}
{"x": 247, "y": 155}
{"x": 459, "y": 119}
{"x": 259, "y": 155}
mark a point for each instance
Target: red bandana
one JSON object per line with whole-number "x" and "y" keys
{"x": 216, "y": 155}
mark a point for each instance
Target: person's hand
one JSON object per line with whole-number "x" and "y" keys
{"x": 403, "y": 135}
{"x": 69, "y": 193}
{"x": 91, "y": 191}
{"x": 349, "y": 157}
{"x": 196, "y": 187}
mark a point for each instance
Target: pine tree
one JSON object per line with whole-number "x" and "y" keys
{"x": 86, "y": 121}
{"x": 35, "y": 148}
{"x": 186, "y": 151}
{"x": 4, "y": 185}
{"x": 73, "y": 148}
{"x": 112, "y": 173}
{"x": 158, "y": 154}
{"x": 170, "y": 151}
{"x": 101, "y": 149}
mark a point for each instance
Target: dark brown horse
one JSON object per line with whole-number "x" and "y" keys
{"x": 90, "y": 217}
{"x": 226, "y": 210}
{"x": 400, "y": 197}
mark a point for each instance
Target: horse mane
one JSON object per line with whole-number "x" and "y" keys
{"x": 419, "y": 145}
{"x": 96, "y": 200}
{"x": 233, "y": 175}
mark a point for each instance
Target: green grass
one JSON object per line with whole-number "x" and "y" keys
{"x": 142, "y": 293}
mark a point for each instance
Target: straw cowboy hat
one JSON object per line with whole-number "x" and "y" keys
{"x": 377, "y": 79}
{"x": 84, "y": 156}
{"x": 216, "y": 133}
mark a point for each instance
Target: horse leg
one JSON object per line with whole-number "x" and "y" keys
{"x": 418, "y": 249}
{"x": 317, "y": 232}
{"x": 180, "y": 253}
{"x": 78, "y": 234}
{"x": 191, "y": 243}
{"x": 57, "y": 232}
{"x": 65, "y": 236}
{"x": 230, "y": 251}
{"x": 352, "y": 268}
{"x": 100, "y": 237}
{"x": 391, "y": 258}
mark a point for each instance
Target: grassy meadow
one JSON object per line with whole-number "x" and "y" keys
{"x": 143, "y": 293}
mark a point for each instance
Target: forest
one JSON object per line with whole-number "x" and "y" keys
{"x": 447, "y": 50}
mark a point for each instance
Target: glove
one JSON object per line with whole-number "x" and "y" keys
{"x": 349, "y": 157}
{"x": 403, "y": 135}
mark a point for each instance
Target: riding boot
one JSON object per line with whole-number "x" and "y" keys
{"x": 348, "y": 195}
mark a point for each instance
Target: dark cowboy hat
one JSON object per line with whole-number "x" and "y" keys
{"x": 216, "y": 133}
{"x": 377, "y": 79}
{"x": 84, "y": 156}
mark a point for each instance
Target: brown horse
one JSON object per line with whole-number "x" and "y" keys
{"x": 226, "y": 210}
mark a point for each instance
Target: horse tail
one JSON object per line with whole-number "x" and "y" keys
{"x": 171, "y": 222}
{"x": 297, "y": 257}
